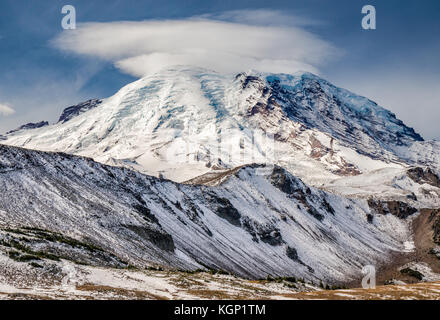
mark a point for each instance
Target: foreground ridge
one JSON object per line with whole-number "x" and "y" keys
{"x": 257, "y": 223}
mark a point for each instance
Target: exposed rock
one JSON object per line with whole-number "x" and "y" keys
{"x": 76, "y": 110}
{"x": 282, "y": 181}
{"x": 434, "y": 218}
{"x": 398, "y": 208}
{"x": 265, "y": 232}
{"x": 295, "y": 188}
{"x": 29, "y": 126}
{"x": 291, "y": 253}
{"x": 420, "y": 175}
{"x": 270, "y": 235}
{"x": 224, "y": 209}
{"x": 159, "y": 238}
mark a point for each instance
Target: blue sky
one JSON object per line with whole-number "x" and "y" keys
{"x": 396, "y": 65}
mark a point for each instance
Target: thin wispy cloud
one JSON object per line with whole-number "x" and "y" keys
{"x": 6, "y": 110}
{"x": 264, "y": 17}
{"x": 209, "y": 41}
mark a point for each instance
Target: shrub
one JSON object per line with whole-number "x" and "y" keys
{"x": 412, "y": 273}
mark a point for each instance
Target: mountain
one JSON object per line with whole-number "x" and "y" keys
{"x": 255, "y": 174}
{"x": 185, "y": 122}
{"x": 260, "y": 221}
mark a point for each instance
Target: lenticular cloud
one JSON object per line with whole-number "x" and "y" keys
{"x": 140, "y": 48}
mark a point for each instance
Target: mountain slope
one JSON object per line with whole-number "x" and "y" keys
{"x": 260, "y": 221}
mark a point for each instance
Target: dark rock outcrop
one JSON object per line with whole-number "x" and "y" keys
{"x": 156, "y": 236}
{"x": 296, "y": 189}
{"x": 73, "y": 111}
{"x": 434, "y": 218}
{"x": 398, "y": 208}
{"x": 29, "y": 126}
{"x": 420, "y": 175}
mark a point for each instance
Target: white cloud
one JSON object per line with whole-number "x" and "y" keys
{"x": 264, "y": 17}
{"x": 139, "y": 48}
{"x": 6, "y": 110}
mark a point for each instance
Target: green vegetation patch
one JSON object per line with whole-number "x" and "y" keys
{"x": 57, "y": 237}
{"x": 412, "y": 273}
{"x": 49, "y": 236}
{"x": 26, "y": 254}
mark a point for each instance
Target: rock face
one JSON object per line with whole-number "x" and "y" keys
{"x": 30, "y": 126}
{"x": 78, "y": 109}
{"x": 434, "y": 218}
{"x": 256, "y": 223}
{"x": 398, "y": 208}
{"x": 347, "y": 117}
{"x": 316, "y": 103}
{"x": 424, "y": 175}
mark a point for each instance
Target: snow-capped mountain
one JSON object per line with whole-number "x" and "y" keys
{"x": 268, "y": 174}
{"x": 185, "y": 122}
{"x": 252, "y": 225}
